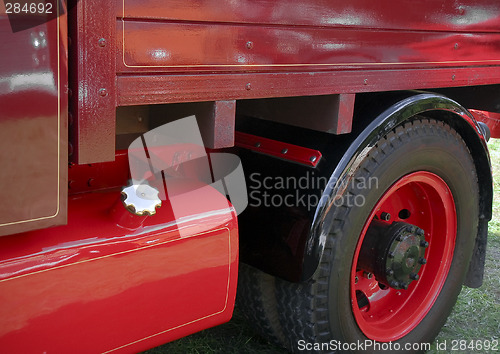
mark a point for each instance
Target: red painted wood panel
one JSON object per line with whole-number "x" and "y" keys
{"x": 33, "y": 126}
{"x": 433, "y": 15}
{"x": 152, "y": 46}
{"x": 93, "y": 71}
{"x": 209, "y": 50}
{"x": 93, "y": 286}
{"x": 153, "y": 89}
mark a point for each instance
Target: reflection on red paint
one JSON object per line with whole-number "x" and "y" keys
{"x": 102, "y": 287}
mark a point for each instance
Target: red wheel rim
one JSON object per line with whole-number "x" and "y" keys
{"x": 422, "y": 199}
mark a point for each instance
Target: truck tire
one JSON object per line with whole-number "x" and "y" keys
{"x": 256, "y": 300}
{"x": 378, "y": 278}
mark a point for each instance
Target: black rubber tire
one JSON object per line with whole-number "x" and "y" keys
{"x": 256, "y": 300}
{"x": 319, "y": 310}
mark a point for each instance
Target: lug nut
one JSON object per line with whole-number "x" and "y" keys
{"x": 424, "y": 244}
{"x": 403, "y": 285}
{"x": 420, "y": 232}
{"x": 399, "y": 238}
{"x": 389, "y": 272}
{"x": 385, "y": 216}
{"x": 394, "y": 284}
{"x": 414, "y": 276}
{"x": 422, "y": 260}
{"x": 391, "y": 254}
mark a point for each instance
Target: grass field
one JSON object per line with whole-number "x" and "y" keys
{"x": 476, "y": 315}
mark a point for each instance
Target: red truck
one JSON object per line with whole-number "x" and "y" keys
{"x": 361, "y": 128}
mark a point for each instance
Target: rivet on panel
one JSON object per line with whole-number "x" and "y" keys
{"x": 249, "y": 45}
{"x": 102, "y": 42}
{"x": 248, "y": 86}
{"x": 103, "y": 92}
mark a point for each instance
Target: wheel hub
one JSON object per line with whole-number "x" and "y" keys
{"x": 394, "y": 253}
{"x": 383, "y": 312}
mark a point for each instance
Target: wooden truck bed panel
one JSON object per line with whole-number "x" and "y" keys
{"x": 446, "y": 15}
{"x": 145, "y": 46}
{"x": 155, "y": 52}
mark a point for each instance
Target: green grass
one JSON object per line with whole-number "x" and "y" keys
{"x": 476, "y": 315}
{"x": 231, "y": 338}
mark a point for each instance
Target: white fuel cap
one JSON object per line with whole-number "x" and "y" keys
{"x": 141, "y": 199}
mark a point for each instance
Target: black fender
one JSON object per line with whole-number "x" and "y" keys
{"x": 402, "y": 108}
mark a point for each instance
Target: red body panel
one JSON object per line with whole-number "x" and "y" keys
{"x": 304, "y": 35}
{"x": 226, "y": 47}
{"x": 33, "y": 125}
{"x": 158, "y": 89}
{"x": 92, "y": 68}
{"x": 491, "y": 119}
{"x": 192, "y": 51}
{"x": 447, "y": 15}
{"x": 93, "y": 286}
